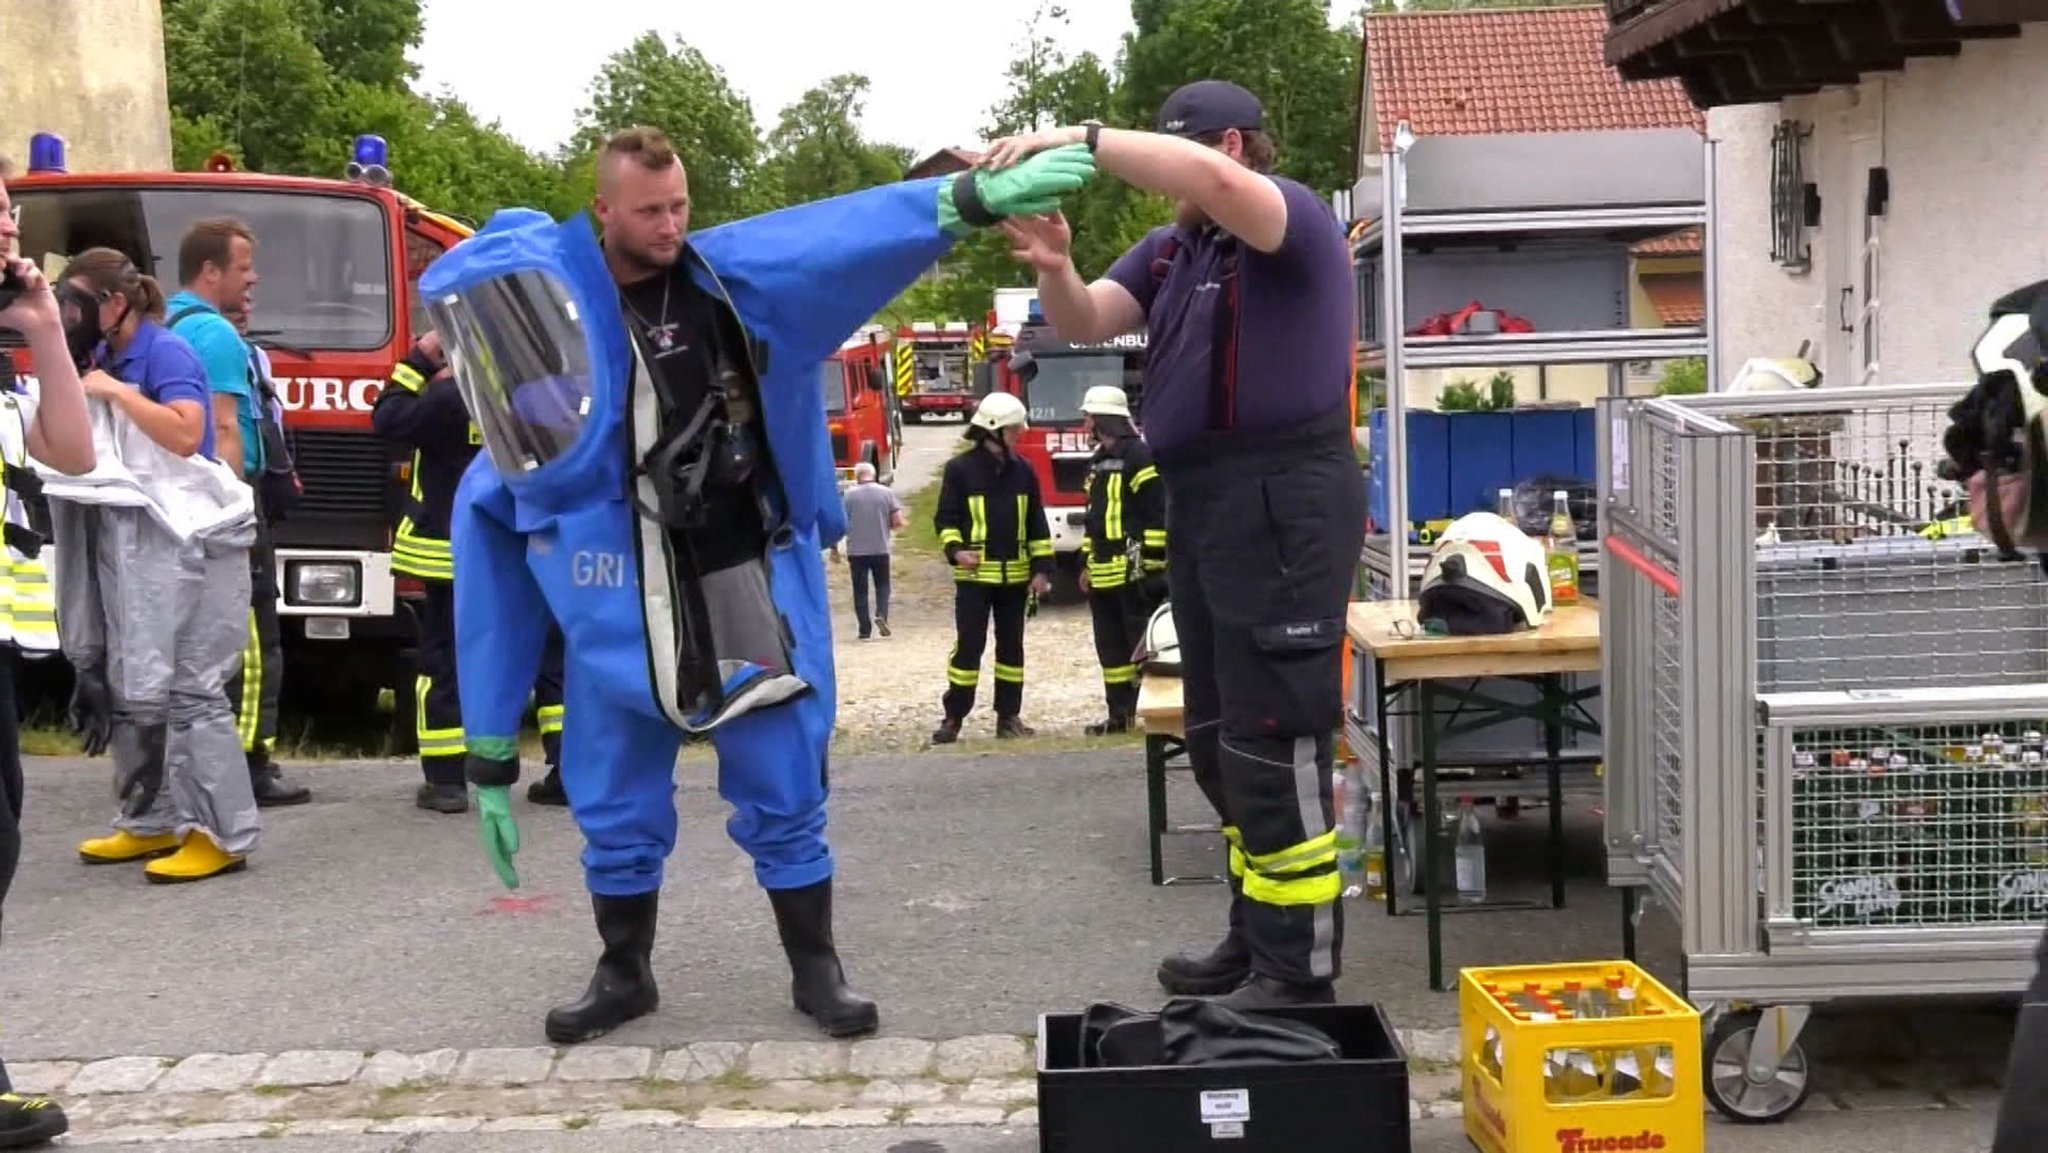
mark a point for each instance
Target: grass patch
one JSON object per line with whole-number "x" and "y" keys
{"x": 919, "y": 537}
{"x": 735, "y": 1080}
{"x": 271, "y": 1090}
{"x": 574, "y": 1123}
{"x": 1425, "y": 1065}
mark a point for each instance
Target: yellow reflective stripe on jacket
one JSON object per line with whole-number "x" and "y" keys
{"x": 995, "y": 572}
{"x": 977, "y": 521}
{"x": 1113, "y": 508}
{"x": 415, "y": 554}
{"x": 408, "y": 378}
{"x": 1953, "y": 526}
{"x": 434, "y": 742}
{"x": 550, "y": 718}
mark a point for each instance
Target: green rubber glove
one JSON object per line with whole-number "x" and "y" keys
{"x": 1029, "y": 188}
{"x": 500, "y": 831}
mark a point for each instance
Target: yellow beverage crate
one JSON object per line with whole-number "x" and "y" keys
{"x": 1551, "y": 1066}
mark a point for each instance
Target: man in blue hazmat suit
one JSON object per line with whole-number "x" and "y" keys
{"x": 656, "y": 477}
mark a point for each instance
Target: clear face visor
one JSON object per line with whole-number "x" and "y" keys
{"x": 517, "y": 348}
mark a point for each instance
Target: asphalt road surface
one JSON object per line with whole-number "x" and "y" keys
{"x": 1920, "y": 1132}
{"x": 926, "y": 448}
{"x": 975, "y": 893}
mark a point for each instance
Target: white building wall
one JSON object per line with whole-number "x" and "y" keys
{"x": 1967, "y": 218}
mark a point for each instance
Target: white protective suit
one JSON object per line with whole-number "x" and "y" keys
{"x": 151, "y": 567}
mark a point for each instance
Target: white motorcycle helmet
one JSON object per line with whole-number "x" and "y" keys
{"x": 1106, "y": 400}
{"x": 998, "y": 411}
{"x": 1159, "y": 649}
{"x": 1485, "y": 577}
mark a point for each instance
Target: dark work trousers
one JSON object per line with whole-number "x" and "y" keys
{"x": 1262, "y": 539}
{"x": 437, "y": 701}
{"x": 2023, "y": 1111}
{"x": 1119, "y": 615}
{"x": 255, "y": 687}
{"x": 974, "y": 605}
{"x": 864, "y": 569}
{"x": 10, "y": 791}
{"x": 437, "y": 718}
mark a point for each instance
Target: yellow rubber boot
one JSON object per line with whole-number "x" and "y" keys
{"x": 198, "y": 859}
{"x": 125, "y": 846}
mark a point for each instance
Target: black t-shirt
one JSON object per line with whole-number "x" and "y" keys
{"x": 679, "y": 324}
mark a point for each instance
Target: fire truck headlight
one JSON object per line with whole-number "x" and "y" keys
{"x": 323, "y": 584}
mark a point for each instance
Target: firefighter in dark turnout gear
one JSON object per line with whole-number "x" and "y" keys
{"x": 992, "y": 526}
{"x": 421, "y": 407}
{"x": 1123, "y": 567}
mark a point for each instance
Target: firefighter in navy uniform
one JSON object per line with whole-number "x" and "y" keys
{"x": 1123, "y": 566}
{"x": 992, "y": 526}
{"x": 421, "y": 407}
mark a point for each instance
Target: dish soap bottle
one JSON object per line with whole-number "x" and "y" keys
{"x": 1562, "y": 551}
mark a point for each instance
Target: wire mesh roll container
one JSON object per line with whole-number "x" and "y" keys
{"x": 1825, "y": 700}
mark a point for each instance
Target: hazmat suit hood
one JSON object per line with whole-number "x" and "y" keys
{"x": 528, "y": 313}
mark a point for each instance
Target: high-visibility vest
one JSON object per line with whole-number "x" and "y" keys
{"x": 28, "y": 602}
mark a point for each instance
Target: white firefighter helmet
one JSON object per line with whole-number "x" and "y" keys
{"x": 2010, "y": 344}
{"x": 1106, "y": 400}
{"x": 1159, "y": 648}
{"x": 1764, "y": 374}
{"x": 1484, "y": 577}
{"x": 998, "y": 411}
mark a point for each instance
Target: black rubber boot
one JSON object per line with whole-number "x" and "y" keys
{"x": 818, "y": 985}
{"x": 26, "y": 1121}
{"x": 1117, "y": 723}
{"x": 1262, "y": 992}
{"x": 548, "y": 790}
{"x": 449, "y": 799}
{"x": 272, "y": 790}
{"x": 1011, "y": 727}
{"x": 947, "y": 732}
{"x": 1224, "y": 968}
{"x": 622, "y": 989}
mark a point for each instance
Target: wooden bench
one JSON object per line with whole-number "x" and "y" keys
{"x": 1162, "y": 716}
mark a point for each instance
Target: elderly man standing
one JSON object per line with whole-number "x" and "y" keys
{"x": 873, "y": 516}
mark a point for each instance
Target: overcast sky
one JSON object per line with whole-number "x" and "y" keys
{"x": 935, "y": 65}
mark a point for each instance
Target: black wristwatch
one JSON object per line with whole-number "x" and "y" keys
{"x": 1094, "y": 137}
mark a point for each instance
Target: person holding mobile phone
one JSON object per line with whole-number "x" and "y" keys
{"x": 46, "y": 420}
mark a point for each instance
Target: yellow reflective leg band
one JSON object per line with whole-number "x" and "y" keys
{"x": 550, "y": 717}
{"x": 434, "y": 742}
{"x": 1302, "y": 874}
{"x": 1236, "y": 843}
{"x": 249, "y": 711}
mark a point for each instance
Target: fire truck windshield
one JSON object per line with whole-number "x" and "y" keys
{"x": 323, "y": 262}
{"x": 832, "y": 386}
{"x": 1059, "y": 382}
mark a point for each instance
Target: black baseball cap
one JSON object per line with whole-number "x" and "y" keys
{"x": 1210, "y": 106}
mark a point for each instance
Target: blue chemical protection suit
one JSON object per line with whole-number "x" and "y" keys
{"x": 573, "y": 511}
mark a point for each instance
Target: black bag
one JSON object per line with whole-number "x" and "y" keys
{"x": 1195, "y": 1031}
{"x": 278, "y": 488}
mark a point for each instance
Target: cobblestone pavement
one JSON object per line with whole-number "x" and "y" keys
{"x": 978, "y": 1081}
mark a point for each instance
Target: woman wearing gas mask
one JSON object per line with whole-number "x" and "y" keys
{"x": 153, "y": 587}
{"x": 48, "y": 420}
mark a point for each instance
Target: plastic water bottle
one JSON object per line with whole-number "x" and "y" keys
{"x": 1470, "y": 855}
{"x": 1350, "y": 805}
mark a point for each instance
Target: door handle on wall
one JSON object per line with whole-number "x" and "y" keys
{"x": 1842, "y": 311}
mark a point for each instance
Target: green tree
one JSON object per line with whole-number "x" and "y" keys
{"x": 675, "y": 89}
{"x": 364, "y": 41}
{"x": 816, "y": 149}
{"x": 1303, "y": 70}
{"x": 244, "y": 73}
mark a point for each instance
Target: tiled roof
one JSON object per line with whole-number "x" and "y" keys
{"x": 1684, "y": 242}
{"x": 1679, "y": 298}
{"x": 1476, "y": 72}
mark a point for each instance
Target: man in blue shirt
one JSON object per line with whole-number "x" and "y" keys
{"x": 217, "y": 269}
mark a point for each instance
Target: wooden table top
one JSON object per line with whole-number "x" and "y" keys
{"x": 1569, "y": 642}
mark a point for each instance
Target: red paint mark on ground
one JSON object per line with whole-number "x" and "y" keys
{"x": 520, "y": 906}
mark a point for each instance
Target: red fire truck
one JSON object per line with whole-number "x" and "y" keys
{"x": 1051, "y": 376}
{"x": 934, "y": 369}
{"x": 339, "y": 262}
{"x": 861, "y": 412}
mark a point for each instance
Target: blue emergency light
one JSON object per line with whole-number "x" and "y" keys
{"x": 1033, "y": 314}
{"x": 46, "y": 152}
{"x": 371, "y": 163}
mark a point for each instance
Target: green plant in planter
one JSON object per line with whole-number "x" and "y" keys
{"x": 1500, "y": 391}
{"x": 1684, "y": 377}
{"x": 1460, "y": 395}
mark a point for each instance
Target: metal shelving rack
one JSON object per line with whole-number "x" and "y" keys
{"x": 1570, "y": 197}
